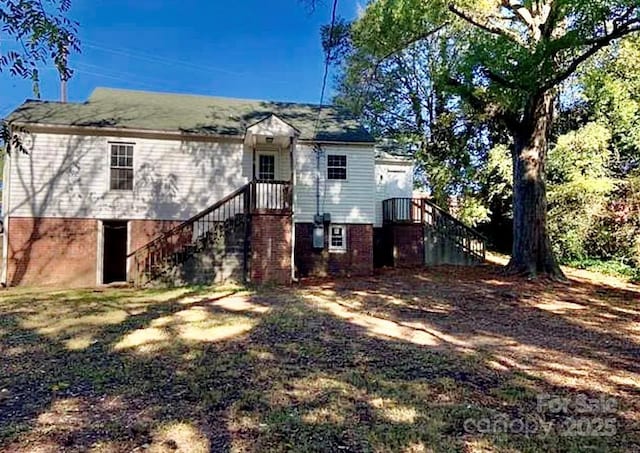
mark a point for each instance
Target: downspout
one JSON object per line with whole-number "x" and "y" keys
{"x": 293, "y": 204}
{"x": 6, "y": 197}
{"x": 318, "y": 151}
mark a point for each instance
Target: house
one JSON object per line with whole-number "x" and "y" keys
{"x": 138, "y": 186}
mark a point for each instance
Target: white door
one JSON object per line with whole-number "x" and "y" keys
{"x": 266, "y": 166}
{"x": 398, "y": 186}
{"x": 267, "y": 194}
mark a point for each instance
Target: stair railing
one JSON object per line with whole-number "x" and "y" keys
{"x": 423, "y": 211}
{"x": 258, "y": 195}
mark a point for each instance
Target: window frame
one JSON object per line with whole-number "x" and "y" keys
{"x": 121, "y": 167}
{"x": 344, "y": 167}
{"x": 338, "y": 248}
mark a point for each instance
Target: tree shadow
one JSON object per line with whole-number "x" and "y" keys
{"x": 377, "y": 364}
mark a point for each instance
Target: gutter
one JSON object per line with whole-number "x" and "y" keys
{"x": 170, "y": 133}
{"x": 293, "y": 210}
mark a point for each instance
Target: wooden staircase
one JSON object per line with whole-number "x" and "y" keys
{"x": 447, "y": 240}
{"x": 212, "y": 245}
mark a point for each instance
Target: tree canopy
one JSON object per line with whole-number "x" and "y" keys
{"x": 41, "y": 32}
{"x": 495, "y": 69}
{"x": 33, "y": 32}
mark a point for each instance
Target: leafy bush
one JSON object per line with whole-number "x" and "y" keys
{"x": 614, "y": 268}
{"x": 579, "y": 189}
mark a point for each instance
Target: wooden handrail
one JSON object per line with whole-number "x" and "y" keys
{"x": 243, "y": 201}
{"x": 421, "y": 210}
{"x": 191, "y": 221}
{"x": 457, "y": 221}
{"x": 415, "y": 202}
{"x": 206, "y": 212}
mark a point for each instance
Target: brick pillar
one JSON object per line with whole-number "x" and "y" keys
{"x": 270, "y": 249}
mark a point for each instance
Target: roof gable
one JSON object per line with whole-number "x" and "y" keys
{"x": 273, "y": 125}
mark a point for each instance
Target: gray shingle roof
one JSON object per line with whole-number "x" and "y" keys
{"x": 189, "y": 114}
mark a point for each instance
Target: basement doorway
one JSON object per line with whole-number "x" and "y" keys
{"x": 114, "y": 265}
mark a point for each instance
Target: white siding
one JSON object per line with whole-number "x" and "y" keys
{"x": 350, "y": 201}
{"x": 393, "y": 180}
{"x": 68, "y": 176}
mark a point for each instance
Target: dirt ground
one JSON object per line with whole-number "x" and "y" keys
{"x": 441, "y": 359}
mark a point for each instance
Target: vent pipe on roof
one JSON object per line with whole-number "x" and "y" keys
{"x": 63, "y": 90}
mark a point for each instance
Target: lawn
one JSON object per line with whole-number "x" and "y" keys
{"x": 443, "y": 359}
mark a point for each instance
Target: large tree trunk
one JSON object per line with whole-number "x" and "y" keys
{"x": 532, "y": 254}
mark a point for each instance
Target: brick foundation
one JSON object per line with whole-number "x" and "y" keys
{"x": 63, "y": 252}
{"x": 357, "y": 260}
{"x": 50, "y": 251}
{"x": 144, "y": 231}
{"x": 270, "y": 249}
{"x": 408, "y": 244}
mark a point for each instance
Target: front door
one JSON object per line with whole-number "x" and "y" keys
{"x": 268, "y": 195}
{"x": 114, "y": 264}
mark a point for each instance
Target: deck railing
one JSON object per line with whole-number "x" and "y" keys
{"x": 422, "y": 211}
{"x": 271, "y": 195}
{"x": 230, "y": 213}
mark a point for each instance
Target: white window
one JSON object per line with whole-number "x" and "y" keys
{"x": 337, "y": 238}
{"x": 121, "y": 166}
{"x": 336, "y": 167}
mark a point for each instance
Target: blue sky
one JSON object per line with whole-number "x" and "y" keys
{"x": 267, "y": 49}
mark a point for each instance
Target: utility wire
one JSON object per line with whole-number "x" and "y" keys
{"x": 135, "y": 54}
{"x": 327, "y": 63}
{"x": 318, "y": 150}
{"x": 157, "y": 59}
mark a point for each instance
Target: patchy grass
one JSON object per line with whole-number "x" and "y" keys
{"x": 438, "y": 360}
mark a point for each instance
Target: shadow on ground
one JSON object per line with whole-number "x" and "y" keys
{"x": 447, "y": 359}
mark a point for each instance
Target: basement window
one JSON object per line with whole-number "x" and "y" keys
{"x": 336, "y": 167}
{"x": 121, "y": 170}
{"x": 337, "y": 239}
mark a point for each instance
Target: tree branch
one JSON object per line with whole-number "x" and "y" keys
{"x": 499, "y": 79}
{"x": 482, "y": 106}
{"x": 596, "y": 44}
{"x": 523, "y": 13}
{"x": 409, "y": 42}
{"x": 484, "y": 23}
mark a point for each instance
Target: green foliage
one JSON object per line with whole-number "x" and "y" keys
{"x": 612, "y": 89}
{"x": 506, "y": 51}
{"x": 399, "y": 98}
{"x": 592, "y": 213}
{"x": 39, "y": 31}
{"x": 472, "y": 211}
{"x": 496, "y": 177}
{"x": 579, "y": 188}
{"x": 453, "y": 77}
{"x": 581, "y": 153}
{"x": 42, "y": 32}
{"x": 616, "y": 235}
{"x": 614, "y": 268}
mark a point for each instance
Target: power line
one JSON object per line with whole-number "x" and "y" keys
{"x": 156, "y": 59}
{"x": 104, "y": 76}
{"x": 130, "y": 76}
{"x": 325, "y": 76}
{"x": 135, "y": 54}
{"x": 327, "y": 62}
